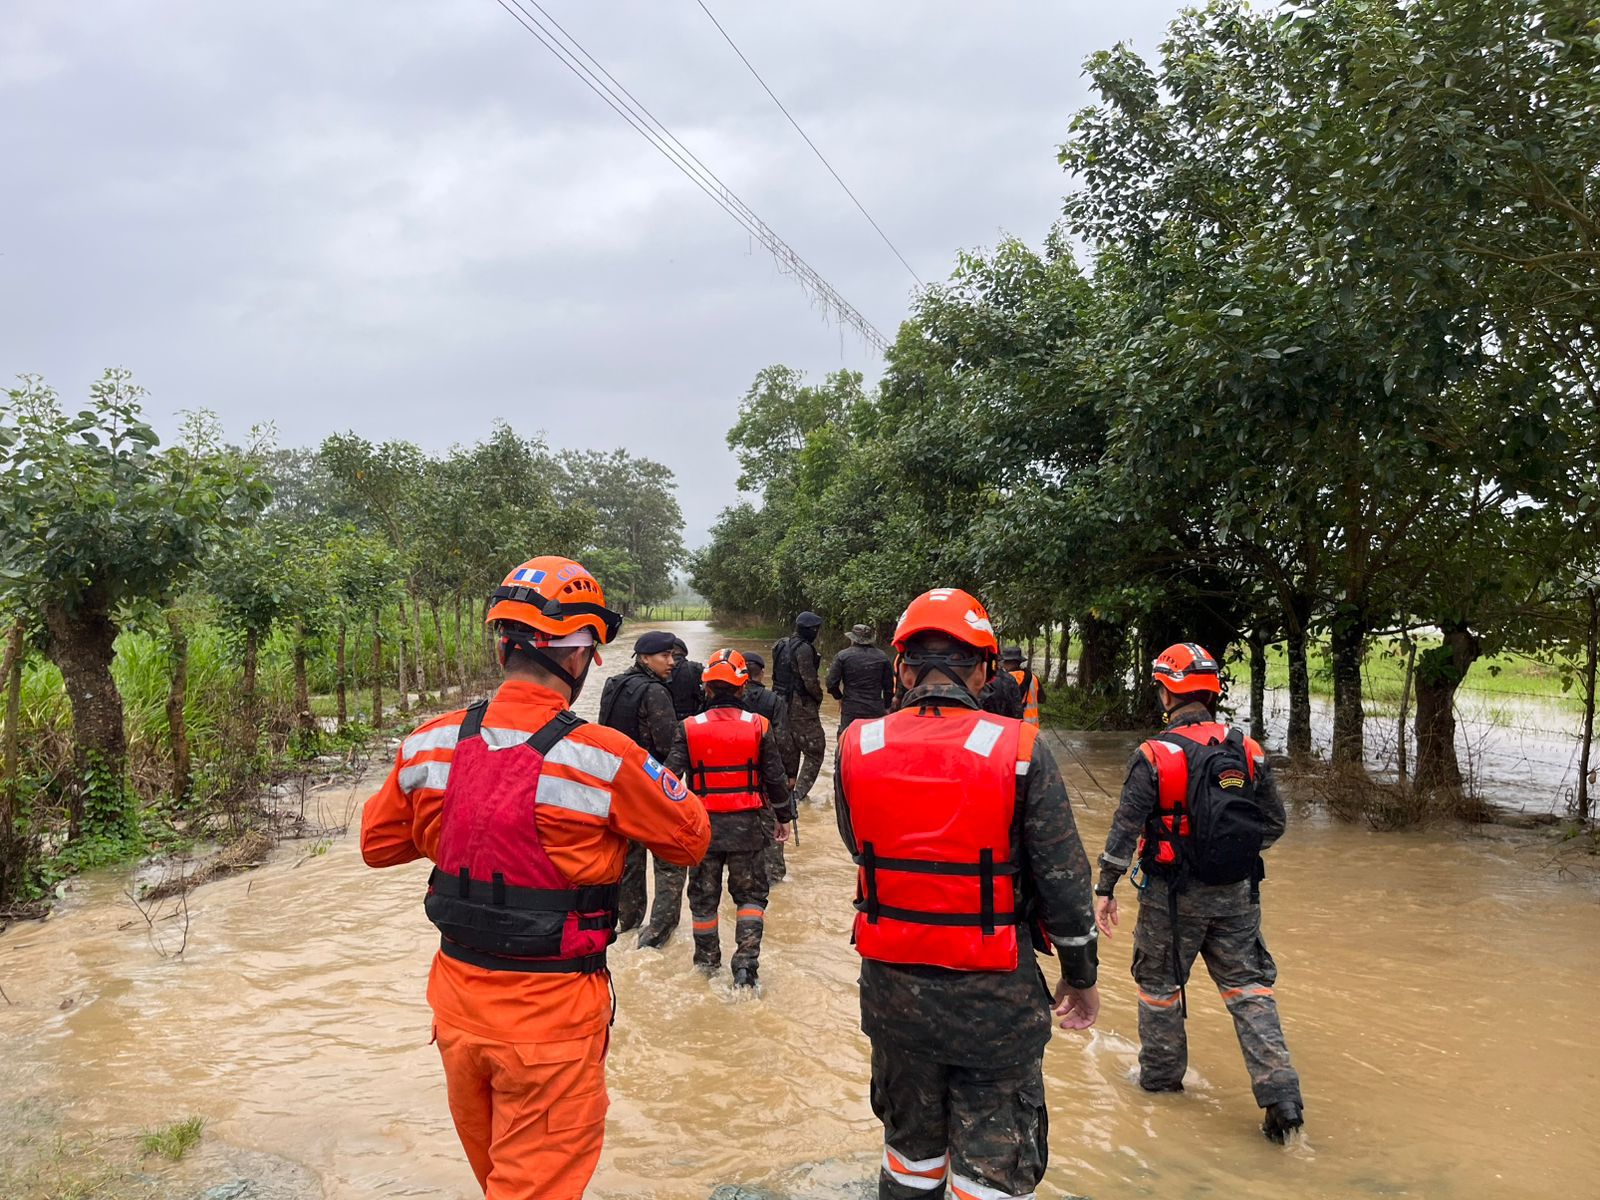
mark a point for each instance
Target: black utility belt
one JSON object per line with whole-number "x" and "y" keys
{"x": 599, "y": 897}
{"x": 589, "y": 964}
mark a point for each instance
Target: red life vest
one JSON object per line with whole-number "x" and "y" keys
{"x": 498, "y": 900}
{"x": 1171, "y": 820}
{"x": 725, "y": 758}
{"x": 932, "y": 795}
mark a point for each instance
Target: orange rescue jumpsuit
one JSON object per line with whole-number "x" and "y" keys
{"x": 524, "y": 1053}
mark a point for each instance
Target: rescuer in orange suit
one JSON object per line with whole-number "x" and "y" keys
{"x": 969, "y": 861}
{"x": 526, "y": 812}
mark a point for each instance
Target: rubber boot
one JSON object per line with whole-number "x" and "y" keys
{"x": 651, "y": 938}
{"x": 1282, "y": 1119}
{"x": 744, "y": 977}
{"x": 1162, "y": 1087}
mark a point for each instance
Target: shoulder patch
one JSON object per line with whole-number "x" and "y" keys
{"x": 671, "y": 786}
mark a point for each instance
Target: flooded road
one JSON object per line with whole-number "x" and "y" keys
{"x": 1436, "y": 989}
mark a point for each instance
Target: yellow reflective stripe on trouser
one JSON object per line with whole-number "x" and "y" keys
{"x": 924, "y": 1174}
{"x": 971, "y": 1189}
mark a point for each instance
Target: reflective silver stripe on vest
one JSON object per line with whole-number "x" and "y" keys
{"x": 442, "y": 737}
{"x": 424, "y": 775}
{"x": 502, "y": 739}
{"x": 591, "y": 760}
{"x": 577, "y": 797}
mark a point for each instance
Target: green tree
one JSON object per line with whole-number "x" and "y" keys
{"x": 99, "y": 518}
{"x": 779, "y": 413}
{"x": 636, "y": 511}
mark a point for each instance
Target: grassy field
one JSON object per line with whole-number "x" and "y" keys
{"x": 1500, "y": 676}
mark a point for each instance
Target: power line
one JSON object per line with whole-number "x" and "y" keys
{"x": 820, "y": 157}
{"x": 571, "y": 54}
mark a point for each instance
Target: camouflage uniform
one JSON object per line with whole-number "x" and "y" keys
{"x": 652, "y": 725}
{"x": 759, "y": 698}
{"x": 1002, "y": 696}
{"x": 987, "y": 1124}
{"x": 738, "y": 844}
{"x": 957, "y": 1056}
{"x": 805, "y": 714}
{"x": 1221, "y": 924}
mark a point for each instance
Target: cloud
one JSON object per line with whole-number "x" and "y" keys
{"x": 408, "y": 219}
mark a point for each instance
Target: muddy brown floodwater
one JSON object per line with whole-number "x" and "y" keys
{"x": 1437, "y": 988}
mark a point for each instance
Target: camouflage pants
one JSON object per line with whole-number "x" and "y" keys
{"x": 772, "y": 857}
{"x": 985, "y": 1128}
{"x": 668, "y": 904}
{"x": 747, "y": 884}
{"x": 805, "y": 724}
{"x": 1237, "y": 959}
{"x": 669, "y": 892}
{"x": 631, "y": 899}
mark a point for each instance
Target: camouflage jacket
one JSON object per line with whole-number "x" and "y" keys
{"x": 759, "y": 698}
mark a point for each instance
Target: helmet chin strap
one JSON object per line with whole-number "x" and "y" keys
{"x": 952, "y": 667}
{"x": 574, "y": 682}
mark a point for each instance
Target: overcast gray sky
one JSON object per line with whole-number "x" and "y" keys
{"x": 407, "y": 219}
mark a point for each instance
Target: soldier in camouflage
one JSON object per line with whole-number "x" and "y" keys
{"x": 796, "y": 678}
{"x": 1220, "y": 923}
{"x": 957, "y": 1051}
{"x": 638, "y": 703}
{"x": 759, "y": 698}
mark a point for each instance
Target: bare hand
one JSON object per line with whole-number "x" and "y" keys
{"x": 1105, "y": 914}
{"x": 783, "y": 833}
{"x": 1078, "y": 1008}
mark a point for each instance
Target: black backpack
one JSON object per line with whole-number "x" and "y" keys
{"x": 1217, "y": 837}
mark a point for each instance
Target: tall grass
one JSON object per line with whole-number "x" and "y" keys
{"x": 228, "y": 762}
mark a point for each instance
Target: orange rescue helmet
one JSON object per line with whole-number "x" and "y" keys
{"x": 558, "y": 599}
{"x": 726, "y": 666}
{"x": 950, "y": 611}
{"x": 1186, "y": 667}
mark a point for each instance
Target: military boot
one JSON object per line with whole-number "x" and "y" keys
{"x": 1282, "y": 1119}
{"x": 651, "y": 938}
{"x": 707, "y": 952}
{"x": 744, "y": 977}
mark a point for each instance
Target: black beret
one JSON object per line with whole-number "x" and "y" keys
{"x": 654, "y": 642}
